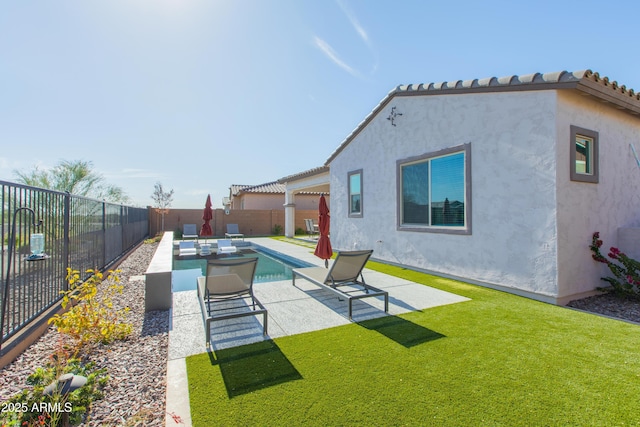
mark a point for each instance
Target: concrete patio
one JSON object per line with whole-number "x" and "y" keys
{"x": 292, "y": 310}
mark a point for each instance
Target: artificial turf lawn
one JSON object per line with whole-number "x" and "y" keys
{"x": 498, "y": 360}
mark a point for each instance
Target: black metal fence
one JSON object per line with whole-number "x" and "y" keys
{"x": 79, "y": 233}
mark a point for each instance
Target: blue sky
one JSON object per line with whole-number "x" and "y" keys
{"x": 202, "y": 94}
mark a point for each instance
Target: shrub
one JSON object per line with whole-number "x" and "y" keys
{"x": 92, "y": 318}
{"x": 626, "y": 271}
{"x": 277, "y": 229}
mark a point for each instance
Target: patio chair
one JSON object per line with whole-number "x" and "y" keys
{"x": 187, "y": 248}
{"x": 226, "y": 292}
{"x": 311, "y": 228}
{"x": 189, "y": 231}
{"x": 344, "y": 273}
{"x": 233, "y": 232}
{"x": 226, "y": 247}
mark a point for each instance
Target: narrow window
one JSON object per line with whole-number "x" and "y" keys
{"x": 355, "y": 194}
{"x": 584, "y": 155}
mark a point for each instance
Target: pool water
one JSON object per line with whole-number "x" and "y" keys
{"x": 272, "y": 266}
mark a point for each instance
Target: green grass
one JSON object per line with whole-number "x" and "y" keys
{"x": 497, "y": 360}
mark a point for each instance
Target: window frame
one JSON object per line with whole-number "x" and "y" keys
{"x": 349, "y": 194}
{"x": 593, "y": 177}
{"x": 466, "y": 229}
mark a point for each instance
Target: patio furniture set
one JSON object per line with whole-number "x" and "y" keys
{"x": 230, "y": 280}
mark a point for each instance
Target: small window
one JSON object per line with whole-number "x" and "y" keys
{"x": 584, "y": 155}
{"x": 434, "y": 192}
{"x": 355, "y": 194}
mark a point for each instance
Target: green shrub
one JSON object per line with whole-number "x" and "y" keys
{"x": 300, "y": 231}
{"x": 32, "y": 407}
{"x": 277, "y": 230}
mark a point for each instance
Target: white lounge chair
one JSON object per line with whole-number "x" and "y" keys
{"x": 229, "y": 279}
{"x": 344, "y": 272}
{"x": 233, "y": 232}
{"x": 226, "y": 247}
{"x": 187, "y": 248}
{"x": 189, "y": 231}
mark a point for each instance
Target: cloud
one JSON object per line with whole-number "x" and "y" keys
{"x": 355, "y": 23}
{"x": 333, "y": 56}
{"x": 360, "y": 31}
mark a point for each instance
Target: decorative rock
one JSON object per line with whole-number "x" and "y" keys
{"x": 135, "y": 393}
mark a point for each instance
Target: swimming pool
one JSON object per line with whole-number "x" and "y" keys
{"x": 272, "y": 266}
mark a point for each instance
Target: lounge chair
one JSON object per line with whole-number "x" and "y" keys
{"x": 233, "y": 232}
{"x": 344, "y": 273}
{"x": 311, "y": 228}
{"x": 187, "y": 248}
{"x": 189, "y": 231}
{"x": 227, "y": 281}
{"x": 205, "y": 249}
{"x": 226, "y": 247}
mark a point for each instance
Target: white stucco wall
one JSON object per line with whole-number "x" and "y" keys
{"x": 584, "y": 208}
{"x": 513, "y": 200}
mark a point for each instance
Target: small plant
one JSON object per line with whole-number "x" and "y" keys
{"x": 92, "y": 318}
{"x": 626, "y": 271}
{"x": 300, "y": 231}
{"x": 152, "y": 240}
{"x": 34, "y": 407}
{"x": 277, "y": 229}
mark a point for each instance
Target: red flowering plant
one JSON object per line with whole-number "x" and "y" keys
{"x": 626, "y": 282}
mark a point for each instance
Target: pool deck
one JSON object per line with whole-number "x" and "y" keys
{"x": 291, "y": 310}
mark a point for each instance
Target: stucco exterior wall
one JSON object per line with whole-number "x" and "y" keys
{"x": 275, "y": 201}
{"x": 584, "y": 208}
{"x": 513, "y": 189}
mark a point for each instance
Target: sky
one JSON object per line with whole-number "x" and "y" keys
{"x": 199, "y": 95}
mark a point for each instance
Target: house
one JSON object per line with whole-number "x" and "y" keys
{"x": 269, "y": 196}
{"x": 499, "y": 181}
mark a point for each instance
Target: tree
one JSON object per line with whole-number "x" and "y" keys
{"x": 162, "y": 200}
{"x": 75, "y": 176}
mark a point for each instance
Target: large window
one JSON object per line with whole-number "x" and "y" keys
{"x": 584, "y": 155}
{"x": 355, "y": 194}
{"x": 434, "y": 191}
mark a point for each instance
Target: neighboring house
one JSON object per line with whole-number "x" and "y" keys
{"x": 269, "y": 196}
{"x": 500, "y": 182}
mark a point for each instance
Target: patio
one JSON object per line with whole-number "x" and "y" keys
{"x": 292, "y": 310}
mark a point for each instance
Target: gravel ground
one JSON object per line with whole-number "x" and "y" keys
{"x": 609, "y": 305}
{"x": 135, "y": 393}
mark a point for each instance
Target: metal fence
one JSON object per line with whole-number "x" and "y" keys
{"x": 80, "y": 233}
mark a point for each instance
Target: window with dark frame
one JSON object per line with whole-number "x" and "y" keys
{"x": 355, "y": 194}
{"x": 434, "y": 191}
{"x": 584, "y": 155}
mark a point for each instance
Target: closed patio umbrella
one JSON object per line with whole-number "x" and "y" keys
{"x": 323, "y": 248}
{"x": 207, "y": 216}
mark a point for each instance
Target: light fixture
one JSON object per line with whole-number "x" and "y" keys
{"x": 36, "y": 246}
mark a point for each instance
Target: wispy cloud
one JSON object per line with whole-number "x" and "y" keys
{"x": 333, "y": 56}
{"x": 359, "y": 30}
{"x": 354, "y": 22}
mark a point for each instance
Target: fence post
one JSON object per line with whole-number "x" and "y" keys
{"x": 66, "y": 250}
